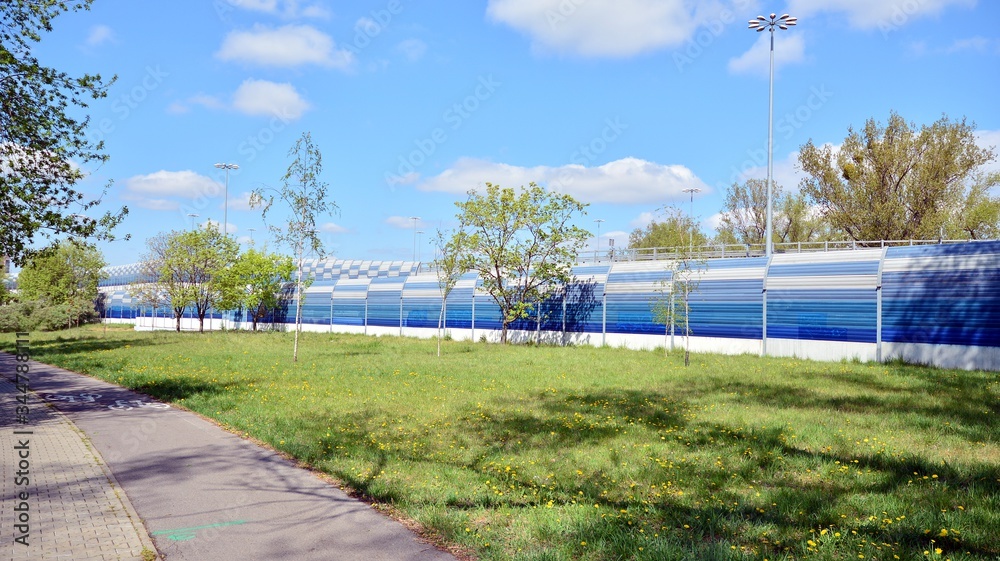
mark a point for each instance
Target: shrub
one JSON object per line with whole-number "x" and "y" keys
{"x": 34, "y": 316}
{"x": 16, "y": 317}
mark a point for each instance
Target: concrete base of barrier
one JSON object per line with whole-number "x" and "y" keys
{"x": 822, "y": 350}
{"x": 942, "y": 356}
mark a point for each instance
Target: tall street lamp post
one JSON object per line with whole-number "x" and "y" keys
{"x": 415, "y": 219}
{"x": 193, "y": 216}
{"x": 760, "y": 24}
{"x": 692, "y": 191}
{"x": 225, "y": 206}
{"x": 597, "y": 251}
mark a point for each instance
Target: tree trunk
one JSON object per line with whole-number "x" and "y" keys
{"x": 254, "y": 322}
{"x": 178, "y": 323}
{"x": 201, "y": 323}
{"x": 440, "y": 320}
{"x": 298, "y": 306}
{"x": 687, "y": 331}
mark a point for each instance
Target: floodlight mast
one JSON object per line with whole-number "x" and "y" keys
{"x": 692, "y": 191}
{"x": 225, "y": 204}
{"x": 598, "y": 238}
{"x": 760, "y": 23}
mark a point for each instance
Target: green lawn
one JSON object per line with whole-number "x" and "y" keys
{"x": 596, "y": 453}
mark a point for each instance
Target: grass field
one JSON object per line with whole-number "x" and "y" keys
{"x": 537, "y": 453}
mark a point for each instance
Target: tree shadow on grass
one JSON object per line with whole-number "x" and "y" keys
{"x": 793, "y": 507}
{"x": 40, "y": 348}
{"x": 555, "y": 423}
{"x": 800, "y": 489}
{"x": 965, "y": 405}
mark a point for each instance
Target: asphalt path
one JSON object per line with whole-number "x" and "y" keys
{"x": 204, "y": 493}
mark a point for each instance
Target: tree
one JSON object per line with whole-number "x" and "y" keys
{"x": 154, "y": 295}
{"x": 189, "y": 264}
{"x": 673, "y": 231}
{"x": 305, "y": 195}
{"x": 160, "y": 283}
{"x": 744, "y": 215}
{"x": 521, "y": 244}
{"x": 202, "y": 256}
{"x": 672, "y": 306}
{"x": 979, "y": 215}
{"x": 5, "y": 294}
{"x": 254, "y": 283}
{"x": 43, "y": 141}
{"x": 66, "y": 274}
{"x": 449, "y": 268}
{"x": 895, "y": 181}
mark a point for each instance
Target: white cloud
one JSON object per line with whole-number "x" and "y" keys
{"x": 990, "y": 140}
{"x": 602, "y": 28}
{"x": 184, "y": 184}
{"x": 412, "y": 49}
{"x": 629, "y": 180}
{"x": 289, "y": 45}
{"x": 404, "y": 222}
{"x": 975, "y": 44}
{"x": 261, "y": 97}
{"x": 178, "y": 108}
{"x": 713, "y": 222}
{"x": 917, "y": 48}
{"x": 332, "y": 228}
{"x": 206, "y": 100}
{"x": 407, "y": 179}
{"x": 789, "y": 48}
{"x": 156, "y": 204}
{"x": 239, "y": 201}
{"x": 283, "y": 8}
{"x": 620, "y": 238}
{"x": 315, "y": 11}
{"x": 100, "y": 34}
{"x": 642, "y": 220}
{"x": 786, "y": 173}
{"x": 875, "y": 14}
{"x": 267, "y": 6}
{"x": 230, "y": 227}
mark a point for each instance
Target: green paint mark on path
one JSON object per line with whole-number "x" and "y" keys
{"x": 185, "y": 534}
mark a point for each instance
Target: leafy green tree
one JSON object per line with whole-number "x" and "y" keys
{"x": 161, "y": 284}
{"x": 522, "y": 244}
{"x": 744, "y": 215}
{"x": 979, "y": 215}
{"x": 674, "y": 230}
{"x": 895, "y": 181}
{"x": 254, "y": 283}
{"x": 5, "y": 294}
{"x": 43, "y": 137}
{"x": 154, "y": 295}
{"x": 189, "y": 266}
{"x": 449, "y": 269}
{"x": 672, "y": 305}
{"x": 65, "y": 275}
{"x": 305, "y": 196}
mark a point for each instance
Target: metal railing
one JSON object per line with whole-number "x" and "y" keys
{"x": 723, "y": 251}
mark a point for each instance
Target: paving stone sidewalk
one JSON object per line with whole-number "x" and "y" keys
{"x": 201, "y": 492}
{"x": 75, "y": 508}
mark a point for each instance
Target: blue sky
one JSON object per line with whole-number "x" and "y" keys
{"x": 622, "y": 103}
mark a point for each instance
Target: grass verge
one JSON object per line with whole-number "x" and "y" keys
{"x": 542, "y": 453}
